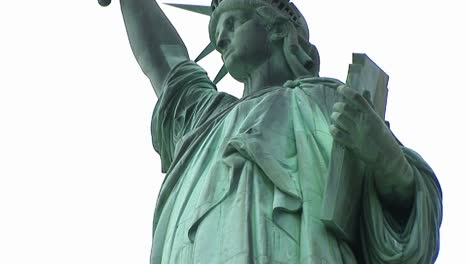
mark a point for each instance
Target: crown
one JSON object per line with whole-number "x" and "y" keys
{"x": 284, "y": 6}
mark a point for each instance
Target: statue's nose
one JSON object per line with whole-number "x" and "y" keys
{"x": 223, "y": 44}
{"x": 223, "y": 40}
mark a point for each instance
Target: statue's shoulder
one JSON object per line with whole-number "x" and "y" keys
{"x": 314, "y": 82}
{"x": 316, "y": 86}
{"x": 319, "y": 90}
{"x": 316, "y": 90}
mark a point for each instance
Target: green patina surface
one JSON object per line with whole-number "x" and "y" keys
{"x": 252, "y": 180}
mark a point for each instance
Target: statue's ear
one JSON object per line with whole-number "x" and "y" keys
{"x": 279, "y": 30}
{"x": 277, "y": 25}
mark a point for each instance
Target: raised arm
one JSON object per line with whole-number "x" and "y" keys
{"x": 155, "y": 43}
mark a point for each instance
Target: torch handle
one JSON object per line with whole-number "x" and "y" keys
{"x": 104, "y": 2}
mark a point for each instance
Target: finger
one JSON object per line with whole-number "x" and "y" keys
{"x": 354, "y": 97}
{"x": 344, "y": 123}
{"x": 341, "y": 136}
{"x": 368, "y": 96}
{"x": 346, "y": 109}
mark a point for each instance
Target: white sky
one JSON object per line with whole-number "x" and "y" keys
{"x": 78, "y": 175}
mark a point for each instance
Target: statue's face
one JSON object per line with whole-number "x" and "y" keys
{"x": 243, "y": 42}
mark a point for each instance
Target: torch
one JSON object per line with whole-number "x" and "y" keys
{"x": 104, "y": 2}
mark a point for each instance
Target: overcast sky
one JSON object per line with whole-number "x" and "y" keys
{"x": 78, "y": 176}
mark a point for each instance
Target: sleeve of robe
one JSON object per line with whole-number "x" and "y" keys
{"x": 385, "y": 239}
{"x": 189, "y": 99}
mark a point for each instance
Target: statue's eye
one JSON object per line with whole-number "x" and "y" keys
{"x": 229, "y": 24}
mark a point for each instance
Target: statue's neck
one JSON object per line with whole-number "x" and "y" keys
{"x": 274, "y": 72}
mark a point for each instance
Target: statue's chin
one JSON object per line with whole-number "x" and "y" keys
{"x": 236, "y": 71}
{"x": 239, "y": 78}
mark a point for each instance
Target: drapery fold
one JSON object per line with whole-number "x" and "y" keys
{"x": 245, "y": 180}
{"x": 387, "y": 240}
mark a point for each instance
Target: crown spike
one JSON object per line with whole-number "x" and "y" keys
{"x": 204, "y": 10}
{"x": 210, "y": 48}
{"x": 223, "y": 72}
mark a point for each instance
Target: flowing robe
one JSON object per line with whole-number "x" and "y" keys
{"x": 245, "y": 180}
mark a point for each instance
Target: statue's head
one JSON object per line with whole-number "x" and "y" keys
{"x": 247, "y": 32}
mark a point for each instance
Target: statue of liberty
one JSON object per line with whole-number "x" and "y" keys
{"x": 245, "y": 178}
